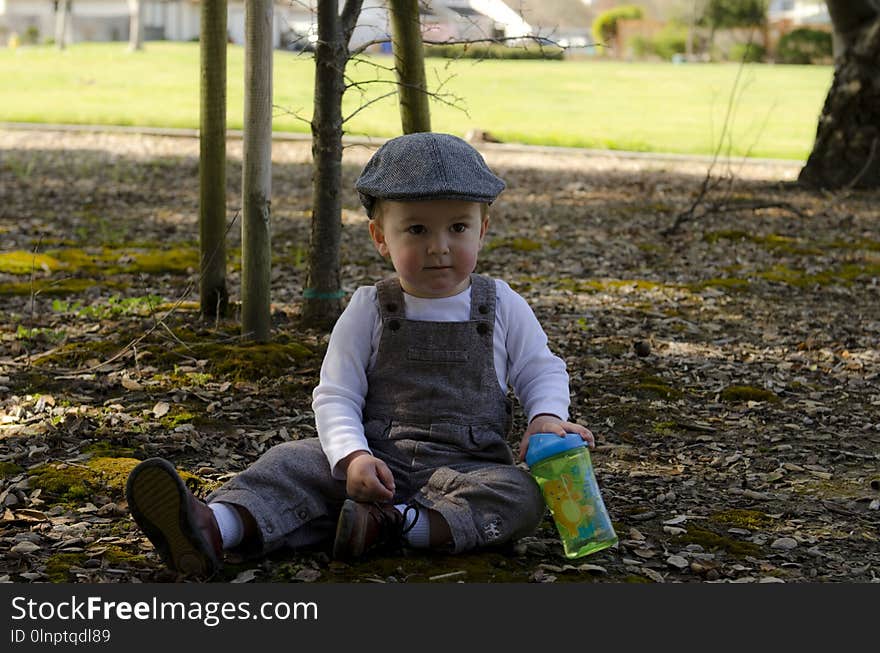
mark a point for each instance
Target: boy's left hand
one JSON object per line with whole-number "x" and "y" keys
{"x": 552, "y": 424}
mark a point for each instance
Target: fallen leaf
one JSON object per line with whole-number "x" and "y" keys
{"x": 246, "y": 576}
{"x": 25, "y": 547}
{"x": 131, "y": 384}
{"x": 161, "y": 409}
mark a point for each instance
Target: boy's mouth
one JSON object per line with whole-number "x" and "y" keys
{"x": 438, "y": 267}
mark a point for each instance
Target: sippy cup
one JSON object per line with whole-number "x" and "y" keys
{"x": 564, "y": 472}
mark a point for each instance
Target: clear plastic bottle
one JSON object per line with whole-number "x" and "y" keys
{"x": 563, "y": 470}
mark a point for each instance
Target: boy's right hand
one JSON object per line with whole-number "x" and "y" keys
{"x": 368, "y": 478}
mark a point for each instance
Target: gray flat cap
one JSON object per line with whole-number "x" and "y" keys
{"x": 427, "y": 166}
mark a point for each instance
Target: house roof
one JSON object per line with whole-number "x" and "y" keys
{"x": 547, "y": 15}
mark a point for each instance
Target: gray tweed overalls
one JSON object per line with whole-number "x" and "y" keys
{"x": 435, "y": 414}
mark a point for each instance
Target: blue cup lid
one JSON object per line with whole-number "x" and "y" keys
{"x": 544, "y": 445}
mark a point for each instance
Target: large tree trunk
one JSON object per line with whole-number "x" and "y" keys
{"x": 256, "y": 186}
{"x": 409, "y": 66}
{"x": 63, "y": 10}
{"x": 135, "y": 25}
{"x": 212, "y": 161}
{"x": 846, "y": 153}
{"x": 323, "y": 295}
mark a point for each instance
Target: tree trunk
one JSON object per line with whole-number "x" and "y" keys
{"x": 323, "y": 295}
{"x": 846, "y": 153}
{"x": 135, "y": 25}
{"x": 63, "y": 10}
{"x": 256, "y": 186}
{"x": 409, "y": 66}
{"x": 212, "y": 161}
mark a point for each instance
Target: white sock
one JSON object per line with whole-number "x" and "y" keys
{"x": 229, "y": 521}
{"x": 419, "y": 535}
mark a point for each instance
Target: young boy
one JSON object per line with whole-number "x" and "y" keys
{"x": 411, "y": 409}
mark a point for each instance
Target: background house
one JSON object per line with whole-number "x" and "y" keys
{"x": 799, "y": 12}
{"x": 294, "y": 24}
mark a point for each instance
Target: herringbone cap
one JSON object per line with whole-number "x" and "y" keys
{"x": 427, "y": 166}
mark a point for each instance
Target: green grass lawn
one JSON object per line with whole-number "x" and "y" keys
{"x": 629, "y": 106}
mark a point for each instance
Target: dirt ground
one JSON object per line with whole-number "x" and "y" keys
{"x": 729, "y": 367}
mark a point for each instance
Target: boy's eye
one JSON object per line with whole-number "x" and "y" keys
{"x": 459, "y": 227}
{"x": 415, "y": 229}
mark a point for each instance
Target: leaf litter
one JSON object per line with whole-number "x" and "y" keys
{"x": 729, "y": 370}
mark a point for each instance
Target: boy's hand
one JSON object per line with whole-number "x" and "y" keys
{"x": 368, "y": 479}
{"x": 552, "y": 424}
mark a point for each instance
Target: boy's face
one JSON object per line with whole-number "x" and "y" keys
{"x": 432, "y": 244}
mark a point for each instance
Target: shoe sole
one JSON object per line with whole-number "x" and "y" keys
{"x": 351, "y": 521}
{"x": 157, "y": 499}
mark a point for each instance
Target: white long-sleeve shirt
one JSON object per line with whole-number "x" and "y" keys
{"x": 522, "y": 360}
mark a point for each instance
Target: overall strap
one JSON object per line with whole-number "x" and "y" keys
{"x": 390, "y": 296}
{"x": 482, "y": 298}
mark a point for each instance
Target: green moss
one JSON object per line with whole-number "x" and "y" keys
{"x": 518, "y": 244}
{"x": 178, "y": 260}
{"x": 636, "y": 579}
{"x": 75, "y": 354}
{"x": 752, "y": 520}
{"x": 89, "y": 261}
{"x": 21, "y": 262}
{"x": 664, "y": 428}
{"x": 712, "y": 541}
{"x": 653, "y": 386}
{"x": 58, "y": 287}
{"x": 252, "y": 361}
{"x": 604, "y": 285}
{"x": 116, "y": 260}
{"x": 857, "y": 244}
{"x": 10, "y": 469}
{"x": 726, "y": 283}
{"x": 843, "y": 275}
{"x": 103, "y": 448}
{"x": 177, "y": 416}
{"x": 725, "y": 234}
{"x": 76, "y": 483}
{"x": 775, "y": 242}
{"x": 58, "y": 566}
{"x": 738, "y": 393}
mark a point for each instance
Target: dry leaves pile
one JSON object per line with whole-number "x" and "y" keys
{"x": 729, "y": 369}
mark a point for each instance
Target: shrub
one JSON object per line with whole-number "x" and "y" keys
{"x": 31, "y": 35}
{"x": 642, "y": 46}
{"x": 669, "y": 41}
{"x": 605, "y": 25}
{"x": 804, "y": 46}
{"x": 748, "y": 52}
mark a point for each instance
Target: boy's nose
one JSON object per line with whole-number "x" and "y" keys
{"x": 438, "y": 245}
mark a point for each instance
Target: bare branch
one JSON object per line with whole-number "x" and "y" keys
{"x": 348, "y": 18}
{"x": 367, "y": 104}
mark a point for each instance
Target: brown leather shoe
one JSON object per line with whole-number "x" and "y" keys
{"x": 363, "y": 527}
{"x": 181, "y": 527}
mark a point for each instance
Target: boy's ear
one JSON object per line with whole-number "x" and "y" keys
{"x": 484, "y": 228}
{"x": 378, "y": 237}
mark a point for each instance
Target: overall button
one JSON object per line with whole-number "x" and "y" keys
{"x": 483, "y": 309}
{"x": 394, "y": 325}
{"x": 391, "y": 308}
{"x": 302, "y": 514}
